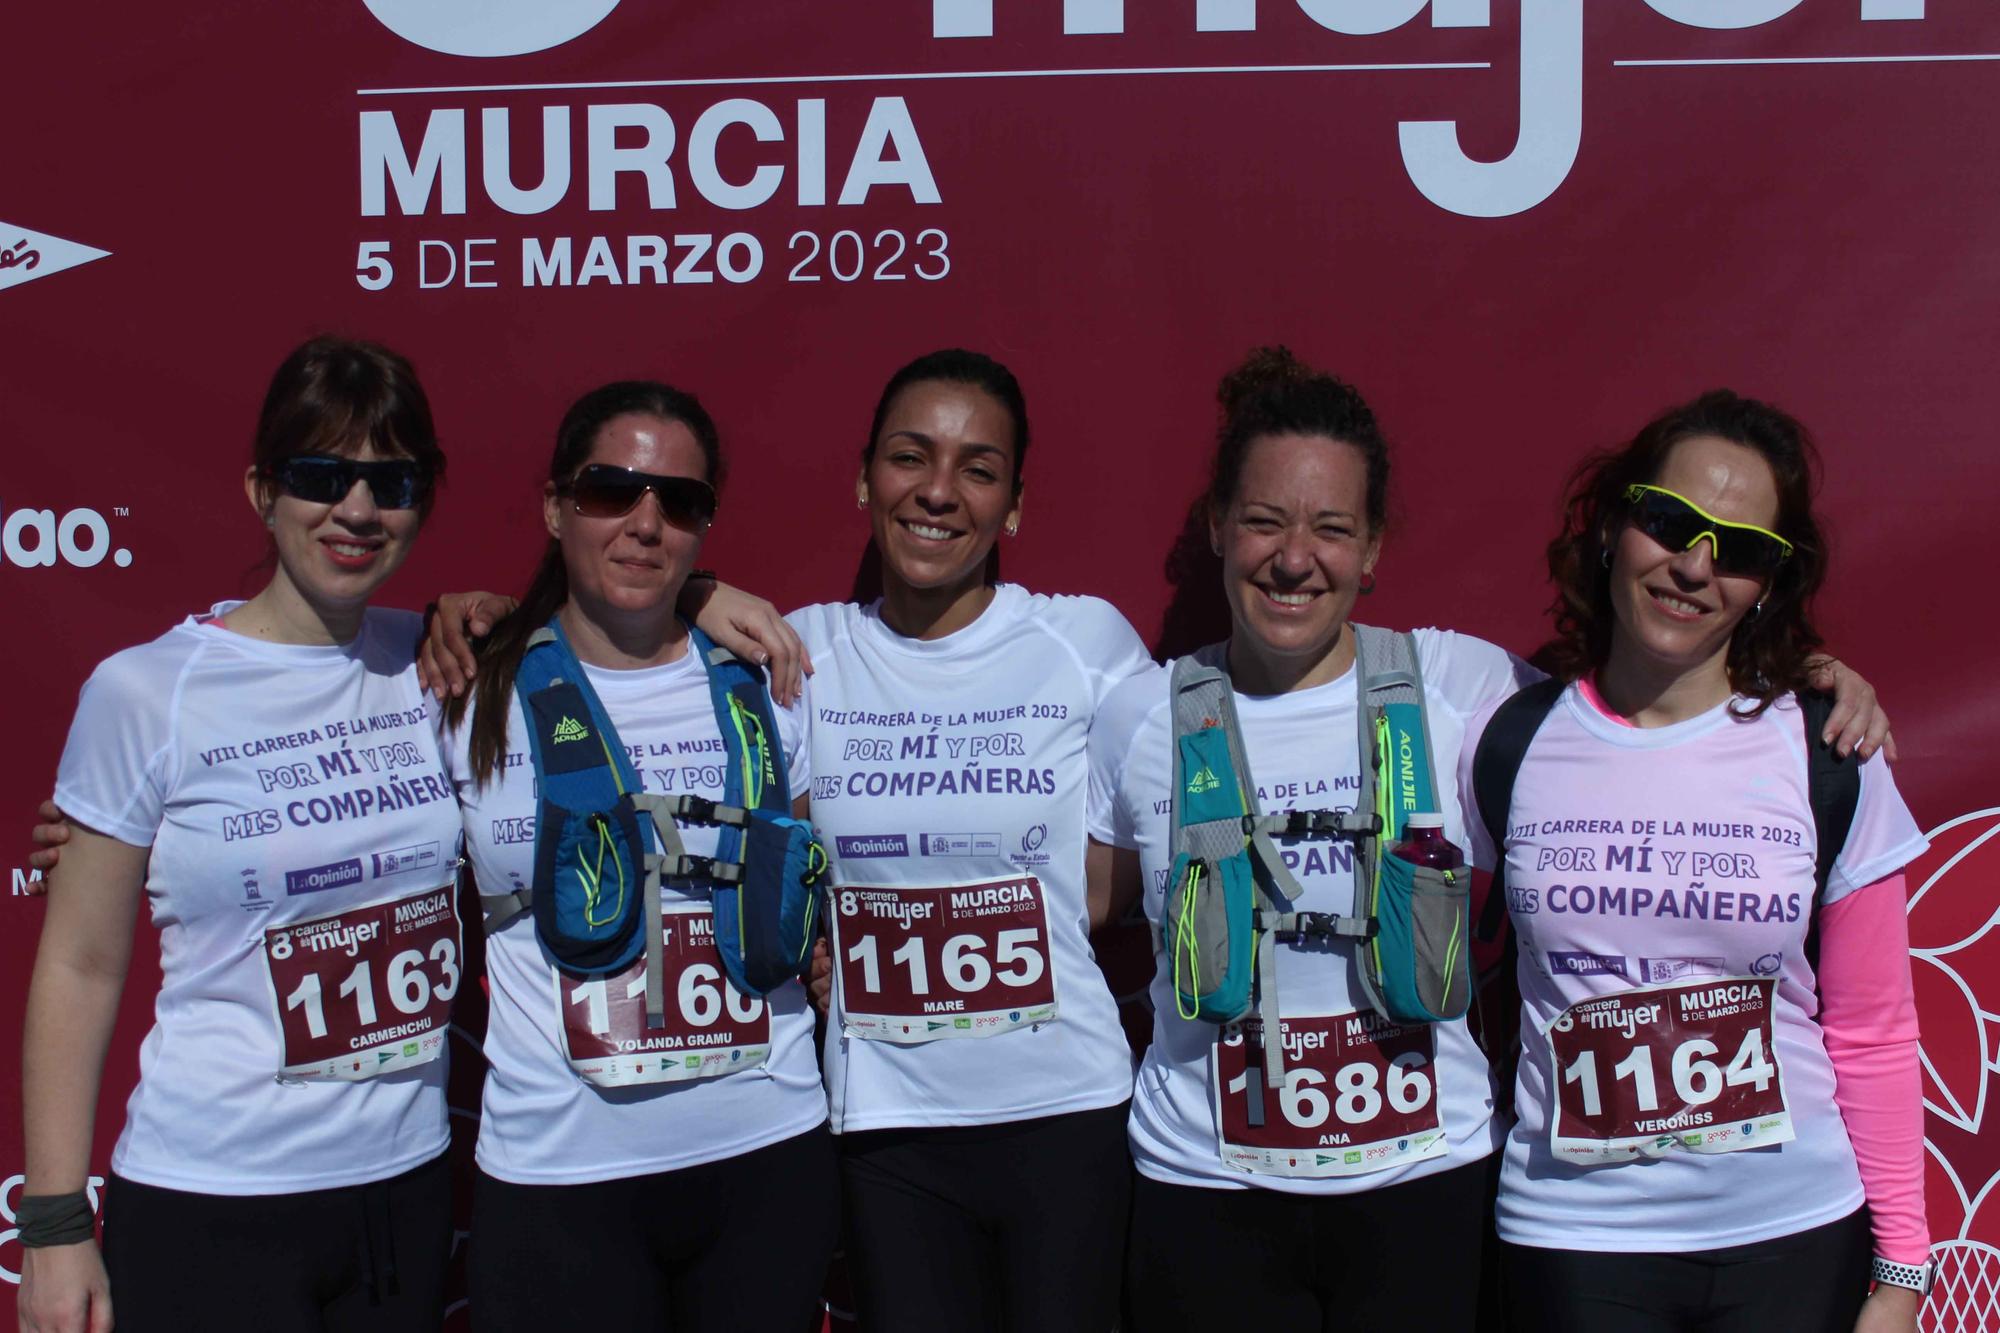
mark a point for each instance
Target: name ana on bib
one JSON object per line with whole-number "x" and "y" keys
{"x": 1360, "y": 1095}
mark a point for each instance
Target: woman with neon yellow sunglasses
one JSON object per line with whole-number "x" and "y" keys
{"x": 1719, "y": 1123}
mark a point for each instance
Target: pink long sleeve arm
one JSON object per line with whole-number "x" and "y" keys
{"x": 1868, "y": 1013}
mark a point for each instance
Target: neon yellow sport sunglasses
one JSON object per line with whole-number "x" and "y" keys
{"x": 1677, "y": 523}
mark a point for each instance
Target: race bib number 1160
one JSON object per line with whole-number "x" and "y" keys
{"x": 709, "y": 1029}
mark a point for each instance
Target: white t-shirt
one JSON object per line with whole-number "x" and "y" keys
{"x": 1686, "y": 858}
{"x": 1303, "y": 752}
{"x": 541, "y": 1123}
{"x": 957, "y": 761}
{"x": 275, "y": 783}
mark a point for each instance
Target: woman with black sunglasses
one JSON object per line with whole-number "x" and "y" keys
{"x": 977, "y": 1071}
{"x": 1719, "y": 1115}
{"x": 633, "y": 1175}
{"x": 266, "y": 778}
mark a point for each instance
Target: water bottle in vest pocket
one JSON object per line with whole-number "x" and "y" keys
{"x": 1417, "y": 968}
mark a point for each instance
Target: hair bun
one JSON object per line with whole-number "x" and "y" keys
{"x": 1264, "y": 369}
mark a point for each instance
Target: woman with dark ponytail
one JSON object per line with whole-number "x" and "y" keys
{"x": 632, "y": 1193}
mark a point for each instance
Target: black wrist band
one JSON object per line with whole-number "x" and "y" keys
{"x": 54, "y": 1219}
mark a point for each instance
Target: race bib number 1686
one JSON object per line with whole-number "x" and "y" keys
{"x": 1360, "y": 1095}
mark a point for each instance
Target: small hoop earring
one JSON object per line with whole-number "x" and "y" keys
{"x": 1367, "y": 583}
{"x": 1605, "y": 558}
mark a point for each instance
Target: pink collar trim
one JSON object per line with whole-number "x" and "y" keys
{"x": 1586, "y": 687}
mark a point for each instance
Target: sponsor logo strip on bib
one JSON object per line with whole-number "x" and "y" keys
{"x": 710, "y": 1030}
{"x": 1360, "y": 1095}
{"x": 1687, "y": 1067}
{"x": 367, "y": 990}
{"x": 957, "y": 960}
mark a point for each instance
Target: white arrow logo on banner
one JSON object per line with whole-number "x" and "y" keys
{"x": 26, "y": 255}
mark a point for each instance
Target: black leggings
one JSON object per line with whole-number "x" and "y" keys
{"x": 1379, "y": 1261}
{"x": 1014, "y": 1227}
{"x": 735, "y": 1246}
{"x": 362, "y": 1257}
{"x": 1809, "y": 1282}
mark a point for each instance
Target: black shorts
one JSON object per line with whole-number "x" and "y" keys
{"x": 1401, "y": 1257}
{"x": 1809, "y": 1282}
{"x": 1015, "y": 1226}
{"x": 735, "y": 1246}
{"x": 370, "y": 1258}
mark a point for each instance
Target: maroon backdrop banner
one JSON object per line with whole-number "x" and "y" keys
{"x": 1521, "y": 228}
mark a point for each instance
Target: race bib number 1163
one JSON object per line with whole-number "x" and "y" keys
{"x": 368, "y": 990}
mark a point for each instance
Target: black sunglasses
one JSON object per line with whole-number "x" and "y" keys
{"x": 396, "y": 483}
{"x": 600, "y": 490}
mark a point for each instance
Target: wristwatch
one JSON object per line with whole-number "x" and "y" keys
{"x": 1916, "y": 1277}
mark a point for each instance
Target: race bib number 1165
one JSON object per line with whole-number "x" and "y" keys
{"x": 960, "y": 960}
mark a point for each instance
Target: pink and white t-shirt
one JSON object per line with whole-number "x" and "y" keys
{"x": 1674, "y": 1091}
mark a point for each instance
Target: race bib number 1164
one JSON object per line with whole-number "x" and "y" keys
{"x": 1688, "y": 1067}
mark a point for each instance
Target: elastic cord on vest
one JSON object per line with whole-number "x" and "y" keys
{"x": 1187, "y": 950}
{"x": 55, "y": 1219}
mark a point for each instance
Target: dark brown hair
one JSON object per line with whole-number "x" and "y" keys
{"x": 1769, "y": 651}
{"x": 500, "y": 654}
{"x": 1274, "y": 393}
{"x": 334, "y": 394}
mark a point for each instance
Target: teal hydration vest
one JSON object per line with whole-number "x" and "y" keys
{"x": 1230, "y": 893}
